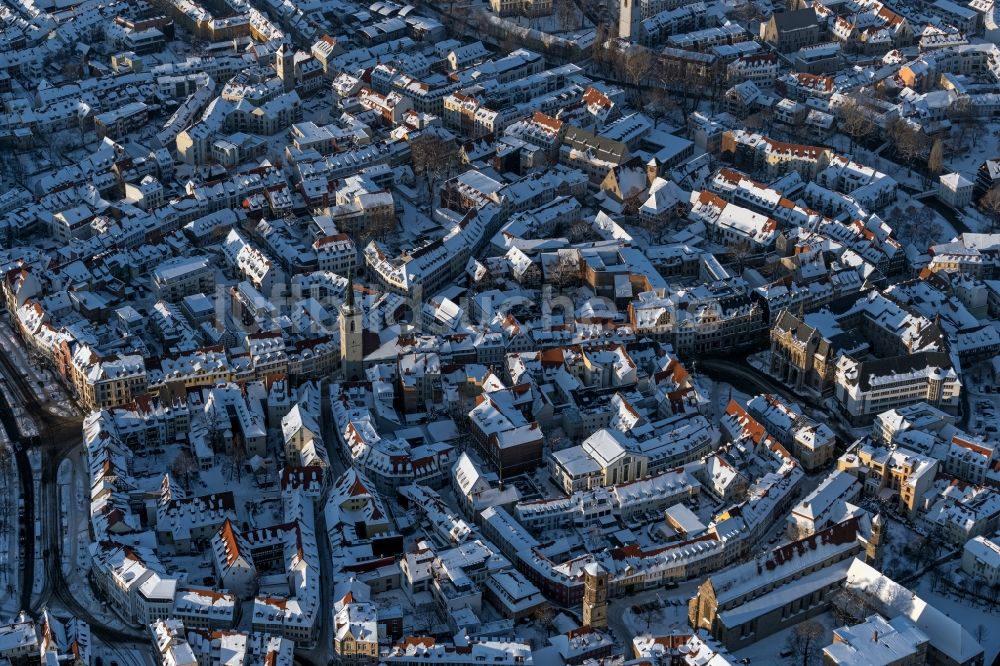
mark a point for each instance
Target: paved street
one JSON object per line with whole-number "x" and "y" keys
{"x": 741, "y": 375}
{"x": 58, "y": 437}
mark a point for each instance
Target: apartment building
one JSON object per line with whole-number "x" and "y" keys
{"x": 336, "y": 253}
{"x": 529, "y": 8}
{"x": 981, "y": 559}
{"x": 866, "y": 388}
{"x": 818, "y": 509}
{"x": 898, "y": 473}
{"x": 512, "y": 443}
{"x": 107, "y": 382}
{"x": 183, "y": 276}
{"x": 811, "y": 442}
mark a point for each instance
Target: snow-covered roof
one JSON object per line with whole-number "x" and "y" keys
{"x": 946, "y": 634}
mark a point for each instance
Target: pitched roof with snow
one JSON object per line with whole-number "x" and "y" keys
{"x": 946, "y": 635}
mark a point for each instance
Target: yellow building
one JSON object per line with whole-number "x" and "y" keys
{"x": 891, "y": 473}
{"x": 356, "y": 633}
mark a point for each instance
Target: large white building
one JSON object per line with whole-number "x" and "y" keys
{"x": 866, "y": 388}
{"x": 955, "y": 190}
{"x": 131, "y": 582}
{"x": 877, "y": 642}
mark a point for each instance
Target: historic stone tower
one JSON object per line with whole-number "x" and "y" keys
{"x": 627, "y": 18}
{"x": 595, "y": 596}
{"x": 285, "y": 64}
{"x": 351, "y": 337}
{"x": 873, "y": 549}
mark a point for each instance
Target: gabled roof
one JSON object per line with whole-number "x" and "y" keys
{"x": 796, "y": 20}
{"x": 946, "y": 635}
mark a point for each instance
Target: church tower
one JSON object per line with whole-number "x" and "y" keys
{"x": 628, "y": 17}
{"x": 873, "y": 549}
{"x": 351, "y": 346}
{"x": 285, "y": 64}
{"x": 595, "y": 596}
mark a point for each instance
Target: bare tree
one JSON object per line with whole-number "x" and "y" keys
{"x": 927, "y": 548}
{"x": 742, "y": 251}
{"x": 637, "y": 63}
{"x": 183, "y": 467}
{"x": 806, "y": 642}
{"x": 754, "y": 121}
{"x": 238, "y": 451}
{"x": 748, "y": 13}
{"x": 649, "y": 614}
{"x": 909, "y": 142}
{"x": 13, "y": 167}
{"x": 962, "y": 116}
{"x": 599, "y": 51}
{"x": 855, "y": 121}
{"x": 990, "y": 203}
{"x": 632, "y": 202}
{"x": 935, "y": 161}
{"x": 567, "y": 15}
{"x": 918, "y": 225}
{"x": 544, "y": 616}
{"x": 659, "y": 103}
{"x": 434, "y": 157}
{"x": 936, "y": 580}
{"x": 849, "y": 606}
{"x": 72, "y": 70}
{"x": 580, "y": 232}
{"x": 655, "y": 227}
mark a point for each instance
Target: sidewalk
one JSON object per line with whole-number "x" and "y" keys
{"x": 73, "y": 522}
{"x": 44, "y": 384}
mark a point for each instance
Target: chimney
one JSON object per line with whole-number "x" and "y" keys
{"x": 875, "y": 636}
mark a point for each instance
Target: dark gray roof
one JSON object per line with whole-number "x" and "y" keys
{"x": 804, "y": 333}
{"x": 900, "y": 365}
{"x": 605, "y": 149}
{"x": 992, "y": 168}
{"x": 797, "y": 20}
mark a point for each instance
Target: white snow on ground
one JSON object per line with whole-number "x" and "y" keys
{"x": 76, "y": 539}
{"x": 127, "y": 655}
{"x": 67, "y": 500}
{"x": 664, "y": 615}
{"x": 975, "y": 220}
{"x": 666, "y": 610}
{"x": 43, "y": 383}
{"x": 81, "y": 523}
{"x": 10, "y": 493}
{"x": 918, "y": 224}
{"x": 255, "y": 507}
{"x": 79, "y": 587}
{"x": 984, "y": 145}
{"x": 985, "y": 406}
{"x": 768, "y": 649}
{"x": 38, "y": 577}
{"x": 896, "y": 561}
{"x": 981, "y": 621}
{"x": 877, "y": 161}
